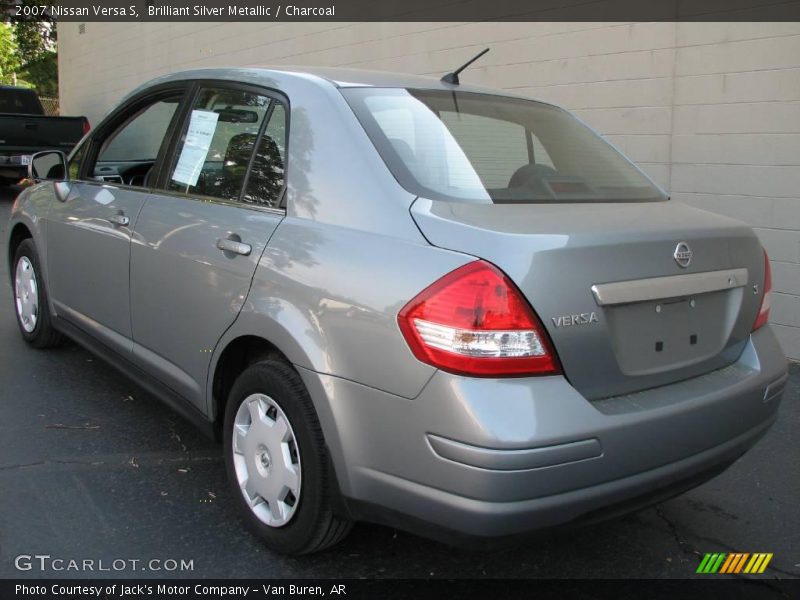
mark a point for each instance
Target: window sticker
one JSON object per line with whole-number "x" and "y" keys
{"x": 202, "y": 126}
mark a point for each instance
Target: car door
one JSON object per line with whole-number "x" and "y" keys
{"x": 89, "y": 233}
{"x": 199, "y": 237}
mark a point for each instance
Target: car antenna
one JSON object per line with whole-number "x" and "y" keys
{"x": 453, "y": 77}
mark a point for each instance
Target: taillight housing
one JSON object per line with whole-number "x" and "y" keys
{"x": 766, "y": 296}
{"x": 86, "y": 126}
{"x": 474, "y": 321}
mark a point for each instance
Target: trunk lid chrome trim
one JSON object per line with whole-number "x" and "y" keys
{"x": 673, "y": 286}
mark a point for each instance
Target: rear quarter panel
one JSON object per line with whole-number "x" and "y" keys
{"x": 328, "y": 298}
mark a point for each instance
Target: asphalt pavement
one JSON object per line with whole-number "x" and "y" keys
{"x": 94, "y": 468}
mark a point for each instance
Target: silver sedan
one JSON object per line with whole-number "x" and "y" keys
{"x": 401, "y": 300}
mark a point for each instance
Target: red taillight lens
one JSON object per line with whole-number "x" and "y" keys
{"x": 766, "y": 296}
{"x": 86, "y": 126}
{"x": 474, "y": 321}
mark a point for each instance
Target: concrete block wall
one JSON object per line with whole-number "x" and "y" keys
{"x": 710, "y": 110}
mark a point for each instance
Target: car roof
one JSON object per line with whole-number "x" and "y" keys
{"x": 337, "y": 76}
{"x": 348, "y": 77}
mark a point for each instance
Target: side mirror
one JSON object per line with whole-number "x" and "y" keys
{"x": 48, "y": 165}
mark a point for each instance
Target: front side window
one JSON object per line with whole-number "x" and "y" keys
{"x": 140, "y": 138}
{"x": 76, "y": 160}
{"x": 231, "y": 134}
{"x": 483, "y": 148}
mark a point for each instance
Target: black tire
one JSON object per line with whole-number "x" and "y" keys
{"x": 313, "y": 526}
{"x": 43, "y": 334}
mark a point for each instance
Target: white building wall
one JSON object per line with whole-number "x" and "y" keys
{"x": 710, "y": 110}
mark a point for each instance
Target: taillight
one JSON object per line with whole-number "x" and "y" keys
{"x": 86, "y": 126}
{"x": 474, "y": 321}
{"x": 766, "y": 300}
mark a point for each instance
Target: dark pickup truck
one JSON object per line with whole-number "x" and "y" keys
{"x": 25, "y": 130}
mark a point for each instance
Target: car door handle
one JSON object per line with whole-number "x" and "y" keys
{"x": 228, "y": 245}
{"x": 120, "y": 220}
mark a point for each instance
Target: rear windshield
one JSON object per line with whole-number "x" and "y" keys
{"x": 19, "y": 101}
{"x": 480, "y": 147}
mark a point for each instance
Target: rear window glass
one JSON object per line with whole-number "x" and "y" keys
{"x": 480, "y": 147}
{"x": 22, "y": 102}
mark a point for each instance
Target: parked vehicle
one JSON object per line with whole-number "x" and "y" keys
{"x": 25, "y": 130}
{"x": 402, "y": 300}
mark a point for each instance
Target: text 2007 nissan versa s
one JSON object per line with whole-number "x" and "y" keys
{"x": 402, "y": 300}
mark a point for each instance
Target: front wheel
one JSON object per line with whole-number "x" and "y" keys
{"x": 276, "y": 461}
{"x": 30, "y": 299}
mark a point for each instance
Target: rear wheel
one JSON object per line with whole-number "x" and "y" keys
{"x": 30, "y": 299}
{"x": 276, "y": 461}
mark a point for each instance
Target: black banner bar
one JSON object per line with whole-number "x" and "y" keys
{"x": 357, "y": 589}
{"x": 404, "y": 11}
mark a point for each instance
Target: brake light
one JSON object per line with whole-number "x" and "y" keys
{"x": 766, "y": 296}
{"x": 86, "y": 126}
{"x": 474, "y": 321}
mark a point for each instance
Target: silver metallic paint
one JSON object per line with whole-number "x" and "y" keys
{"x": 644, "y": 437}
{"x": 89, "y": 272}
{"x": 180, "y": 279}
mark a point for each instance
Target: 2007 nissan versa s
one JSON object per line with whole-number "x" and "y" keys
{"x": 402, "y": 300}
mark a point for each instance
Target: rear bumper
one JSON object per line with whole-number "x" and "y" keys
{"x": 13, "y": 172}
{"x": 495, "y": 458}
{"x": 11, "y": 164}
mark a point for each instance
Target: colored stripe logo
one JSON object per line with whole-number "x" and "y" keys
{"x": 734, "y": 563}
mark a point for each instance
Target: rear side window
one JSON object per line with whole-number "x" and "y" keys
{"x": 233, "y": 148}
{"x": 266, "y": 179}
{"x": 470, "y": 147}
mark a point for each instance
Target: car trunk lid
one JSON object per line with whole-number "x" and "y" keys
{"x": 622, "y": 313}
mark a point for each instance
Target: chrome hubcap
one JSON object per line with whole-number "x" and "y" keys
{"x": 26, "y": 294}
{"x": 266, "y": 459}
